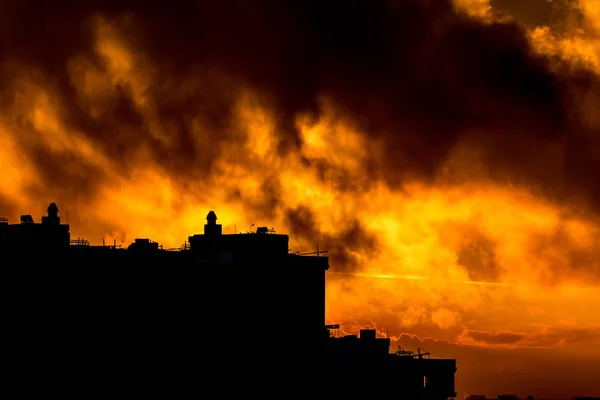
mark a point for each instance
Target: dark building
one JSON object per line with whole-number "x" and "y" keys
{"x": 49, "y": 235}
{"x": 366, "y": 361}
{"x": 262, "y": 273}
{"x": 232, "y": 313}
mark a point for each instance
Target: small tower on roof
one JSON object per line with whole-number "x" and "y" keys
{"x": 53, "y": 210}
{"x": 211, "y": 218}
{"x": 52, "y": 218}
{"x": 212, "y": 228}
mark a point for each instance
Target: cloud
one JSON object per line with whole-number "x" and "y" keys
{"x": 549, "y": 337}
{"x": 339, "y": 246}
{"x": 495, "y": 338}
{"x": 144, "y": 71}
{"x": 446, "y": 157}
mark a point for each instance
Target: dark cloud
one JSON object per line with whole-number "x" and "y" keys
{"x": 560, "y": 15}
{"x": 495, "y": 338}
{"x": 552, "y": 337}
{"x": 556, "y": 336}
{"x": 530, "y": 13}
{"x": 415, "y": 75}
{"x": 477, "y": 255}
{"x": 575, "y": 262}
{"x": 341, "y": 246}
{"x": 563, "y": 255}
{"x": 268, "y": 201}
{"x": 70, "y": 172}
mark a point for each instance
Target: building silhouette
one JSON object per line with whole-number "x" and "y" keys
{"x": 224, "y": 313}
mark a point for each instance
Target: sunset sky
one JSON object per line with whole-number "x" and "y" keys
{"x": 445, "y": 153}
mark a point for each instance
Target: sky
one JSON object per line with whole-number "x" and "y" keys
{"x": 443, "y": 152}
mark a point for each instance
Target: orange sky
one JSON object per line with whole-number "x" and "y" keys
{"x": 495, "y": 274}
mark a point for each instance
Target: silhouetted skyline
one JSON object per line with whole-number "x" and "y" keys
{"x": 214, "y": 265}
{"x": 442, "y": 152}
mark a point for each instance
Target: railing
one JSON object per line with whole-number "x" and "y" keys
{"x": 407, "y": 353}
{"x": 183, "y": 247}
{"x": 80, "y": 242}
{"x": 317, "y": 253}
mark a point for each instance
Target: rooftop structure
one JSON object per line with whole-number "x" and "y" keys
{"x": 225, "y": 304}
{"x": 49, "y": 235}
